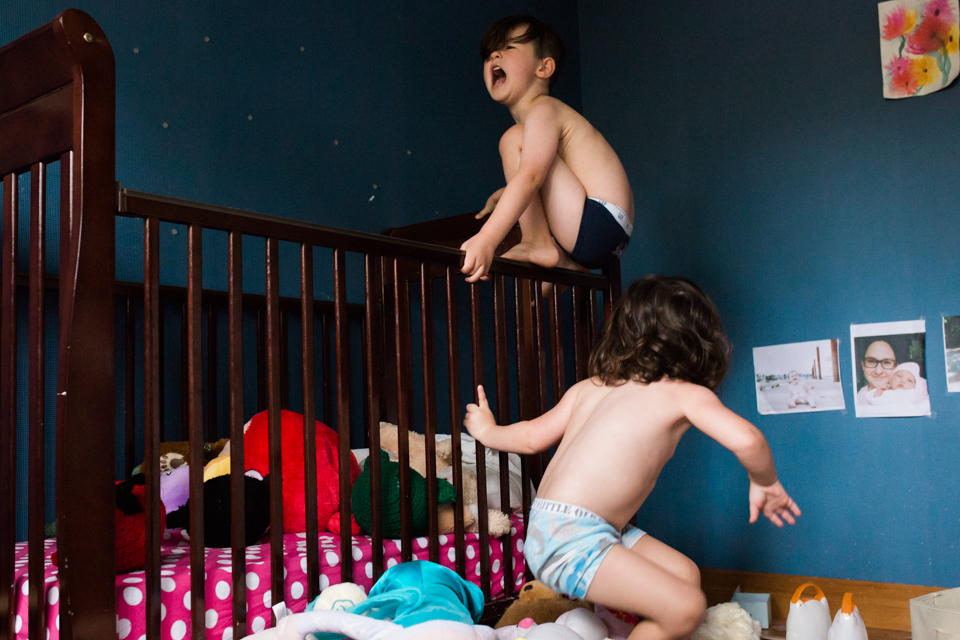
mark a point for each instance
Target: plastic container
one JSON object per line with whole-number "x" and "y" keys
{"x": 809, "y": 618}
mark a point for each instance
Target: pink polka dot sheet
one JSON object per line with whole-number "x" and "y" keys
{"x": 175, "y": 580}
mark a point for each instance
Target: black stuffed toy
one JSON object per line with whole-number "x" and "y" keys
{"x": 216, "y": 511}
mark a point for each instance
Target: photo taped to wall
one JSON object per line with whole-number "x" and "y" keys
{"x": 889, "y": 369}
{"x": 798, "y": 377}
{"x": 951, "y": 350}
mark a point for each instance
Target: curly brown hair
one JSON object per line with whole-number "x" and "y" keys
{"x": 662, "y": 327}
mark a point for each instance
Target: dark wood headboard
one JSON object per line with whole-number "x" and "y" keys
{"x": 57, "y": 104}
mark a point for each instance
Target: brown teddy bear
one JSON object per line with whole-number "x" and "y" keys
{"x": 177, "y": 454}
{"x": 539, "y": 602}
{"x": 498, "y": 523}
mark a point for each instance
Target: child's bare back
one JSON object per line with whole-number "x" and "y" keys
{"x": 605, "y": 444}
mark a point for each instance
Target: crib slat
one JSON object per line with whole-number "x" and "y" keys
{"x": 592, "y": 329}
{"x": 429, "y": 410}
{"x": 309, "y": 420}
{"x": 273, "y": 418}
{"x": 284, "y": 357}
{"x": 212, "y": 435}
{"x": 152, "y": 402}
{"x": 8, "y": 405}
{"x": 503, "y": 412}
{"x": 325, "y": 361}
{"x": 402, "y": 355}
{"x": 526, "y": 365}
{"x": 129, "y": 384}
{"x": 371, "y": 381}
{"x": 261, "y": 358}
{"x": 35, "y": 416}
{"x": 456, "y": 421}
{"x": 476, "y": 341}
{"x": 194, "y": 342}
{"x": 184, "y": 367}
{"x": 528, "y": 298}
{"x": 556, "y": 346}
{"x": 342, "y": 335}
{"x": 161, "y": 337}
{"x": 610, "y": 295}
{"x": 237, "y": 490}
{"x": 576, "y": 304}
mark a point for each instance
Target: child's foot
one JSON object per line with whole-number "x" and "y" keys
{"x": 564, "y": 262}
{"x": 542, "y": 255}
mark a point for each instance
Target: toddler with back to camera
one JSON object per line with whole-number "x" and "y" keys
{"x": 565, "y": 183}
{"x": 662, "y": 353}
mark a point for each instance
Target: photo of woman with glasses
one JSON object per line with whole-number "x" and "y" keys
{"x": 890, "y": 370}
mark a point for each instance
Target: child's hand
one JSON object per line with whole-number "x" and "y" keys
{"x": 491, "y": 203}
{"x": 880, "y": 390}
{"x": 774, "y": 502}
{"x": 479, "y": 418}
{"x": 476, "y": 264}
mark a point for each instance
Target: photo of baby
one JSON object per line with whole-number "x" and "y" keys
{"x": 951, "y": 349}
{"x": 798, "y": 377}
{"x": 890, "y": 369}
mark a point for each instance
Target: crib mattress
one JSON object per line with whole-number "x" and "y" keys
{"x": 175, "y": 580}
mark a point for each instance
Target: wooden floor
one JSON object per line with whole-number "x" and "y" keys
{"x": 778, "y": 631}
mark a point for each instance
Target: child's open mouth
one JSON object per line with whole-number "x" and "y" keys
{"x": 499, "y": 76}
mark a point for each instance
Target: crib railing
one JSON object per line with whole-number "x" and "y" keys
{"x": 393, "y": 271}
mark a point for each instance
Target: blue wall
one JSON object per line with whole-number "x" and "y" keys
{"x": 768, "y": 168}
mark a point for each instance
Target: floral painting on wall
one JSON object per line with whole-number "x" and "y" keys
{"x": 918, "y": 46}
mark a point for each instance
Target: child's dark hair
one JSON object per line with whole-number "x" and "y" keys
{"x": 546, "y": 42}
{"x": 662, "y": 327}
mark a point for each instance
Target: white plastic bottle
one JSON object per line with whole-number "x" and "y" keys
{"x": 847, "y": 624}
{"x": 809, "y": 618}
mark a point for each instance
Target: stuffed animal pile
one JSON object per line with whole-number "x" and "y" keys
{"x": 256, "y": 457}
{"x": 498, "y": 523}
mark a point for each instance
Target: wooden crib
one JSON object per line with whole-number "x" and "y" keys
{"x": 113, "y": 345}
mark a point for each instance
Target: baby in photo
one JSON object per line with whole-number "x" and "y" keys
{"x": 905, "y": 386}
{"x": 799, "y": 391}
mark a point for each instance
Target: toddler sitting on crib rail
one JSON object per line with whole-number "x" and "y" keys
{"x": 661, "y": 354}
{"x": 565, "y": 183}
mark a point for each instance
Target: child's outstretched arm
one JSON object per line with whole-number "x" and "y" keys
{"x": 527, "y": 436}
{"x": 766, "y": 495}
{"x": 541, "y": 139}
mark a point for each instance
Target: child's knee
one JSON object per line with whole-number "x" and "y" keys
{"x": 688, "y": 614}
{"x": 690, "y": 572}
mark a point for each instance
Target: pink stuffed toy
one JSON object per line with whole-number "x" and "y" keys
{"x": 256, "y": 458}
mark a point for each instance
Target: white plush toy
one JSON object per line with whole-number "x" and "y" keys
{"x": 339, "y": 597}
{"x": 577, "y": 624}
{"x": 728, "y": 621}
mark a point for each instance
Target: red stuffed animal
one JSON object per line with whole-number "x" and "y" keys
{"x": 131, "y": 521}
{"x": 256, "y": 457}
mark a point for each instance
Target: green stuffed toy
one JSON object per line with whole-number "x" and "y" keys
{"x": 390, "y": 498}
